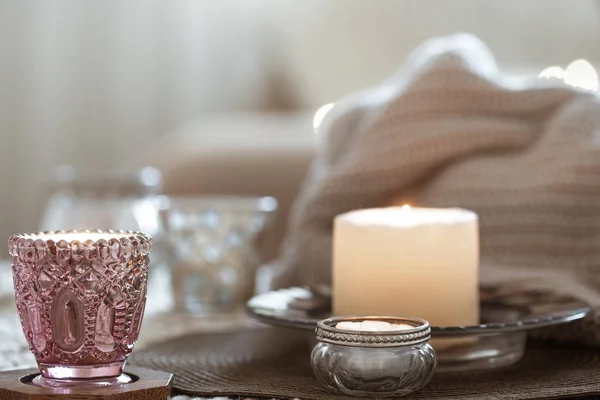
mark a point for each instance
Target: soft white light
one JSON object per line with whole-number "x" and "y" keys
{"x": 553, "y": 72}
{"x": 372, "y": 326}
{"x": 405, "y": 216}
{"x": 580, "y": 74}
{"x": 320, "y": 115}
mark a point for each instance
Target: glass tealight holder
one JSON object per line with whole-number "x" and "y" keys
{"x": 373, "y": 356}
{"x": 81, "y": 298}
{"x": 213, "y": 250}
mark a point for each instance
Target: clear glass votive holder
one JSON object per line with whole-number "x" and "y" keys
{"x": 213, "y": 252}
{"x": 81, "y": 298}
{"x": 375, "y": 360}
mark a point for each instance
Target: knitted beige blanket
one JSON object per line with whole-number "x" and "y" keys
{"x": 450, "y": 130}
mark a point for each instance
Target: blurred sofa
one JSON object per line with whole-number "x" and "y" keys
{"x": 240, "y": 154}
{"x": 87, "y": 86}
{"x": 312, "y": 53}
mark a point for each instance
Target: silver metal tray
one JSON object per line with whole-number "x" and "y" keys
{"x": 503, "y": 309}
{"x": 507, "y": 313}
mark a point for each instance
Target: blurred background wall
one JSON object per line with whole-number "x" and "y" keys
{"x": 90, "y": 83}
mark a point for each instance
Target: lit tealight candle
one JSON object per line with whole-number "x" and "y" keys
{"x": 401, "y": 261}
{"x": 373, "y": 326}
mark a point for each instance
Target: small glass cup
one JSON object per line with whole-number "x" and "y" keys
{"x": 373, "y": 362}
{"x": 213, "y": 251}
{"x": 81, "y": 298}
{"x": 104, "y": 198}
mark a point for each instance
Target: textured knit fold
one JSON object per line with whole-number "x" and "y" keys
{"x": 451, "y": 130}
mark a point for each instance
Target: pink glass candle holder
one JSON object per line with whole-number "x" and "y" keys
{"x": 80, "y": 298}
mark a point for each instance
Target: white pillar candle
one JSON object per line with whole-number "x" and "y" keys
{"x": 403, "y": 261}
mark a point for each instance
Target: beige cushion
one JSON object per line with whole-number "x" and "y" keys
{"x": 245, "y": 154}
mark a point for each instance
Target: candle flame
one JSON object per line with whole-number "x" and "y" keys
{"x": 405, "y": 207}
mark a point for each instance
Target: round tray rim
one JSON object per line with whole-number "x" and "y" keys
{"x": 275, "y": 318}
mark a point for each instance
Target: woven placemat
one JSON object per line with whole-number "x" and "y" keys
{"x": 275, "y": 363}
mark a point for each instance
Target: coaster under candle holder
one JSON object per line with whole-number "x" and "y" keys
{"x": 499, "y": 341}
{"x": 81, "y": 298}
{"x": 373, "y": 356}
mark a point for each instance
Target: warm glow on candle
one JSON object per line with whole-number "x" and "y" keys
{"x": 372, "y": 326}
{"x": 406, "y": 216}
{"x": 79, "y": 236}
